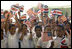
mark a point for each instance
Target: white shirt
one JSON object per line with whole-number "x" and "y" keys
{"x": 25, "y": 42}
{"x": 4, "y": 43}
{"x": 42, "y": 44}
{"x": 35, "y": 39}
{"x": 13, "y": 40}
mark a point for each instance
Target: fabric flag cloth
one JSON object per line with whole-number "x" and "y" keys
{"x": 40, "y": 5}
{"x": 21, "y": 8}
{"x": 64, "y": 43}
{"x": 45, "y": 9}
{"x": 23, "y": 16}
{"x": 56, "y": 12}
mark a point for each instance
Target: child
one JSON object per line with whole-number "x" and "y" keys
{"x": 45, "y": 38}
{"x": 60, "y": 40}
{"x": 11, "y": 34}
{"x": 3, "y": 41}
{"x": 25, "y": 42}
{"x": 38, "y": 30}
{"x": 12, "y": 37}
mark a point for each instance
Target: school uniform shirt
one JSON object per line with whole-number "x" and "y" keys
{"x": 13, "y": 40}
{"x": 4, "y": 43}
{"x": 42, "y": 44}
{"x": 35, "y": 39}
{"x": 25, "y": 42}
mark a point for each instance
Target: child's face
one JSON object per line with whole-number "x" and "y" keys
{"x": 59, "y": 32}
{"x": 12, "y": 30}
{"x": 38, "y": 32}
{"x": 47, "y": 29}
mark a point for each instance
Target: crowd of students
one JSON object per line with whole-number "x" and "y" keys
{"x": 45, "y": 33}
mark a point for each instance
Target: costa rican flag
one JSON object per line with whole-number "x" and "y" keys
{"x": 13, "y": 7}
{"x": 56, "y": 12}
{"x": 23, "y": 16}
{"x": 59, "y": 12}
{"x": 21, "y": 8}
{"x": 39, "y": 11}
{"x": 64, "y": 43}
{"x": 45, "y": 9}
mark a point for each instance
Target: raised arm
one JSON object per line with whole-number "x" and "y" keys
{"x": 18, "y": 23}
{"x": 6, "y": 23}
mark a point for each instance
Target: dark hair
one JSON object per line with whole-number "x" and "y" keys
{"x": 5, "y": 12}
{"x": 11, "y": 25}
{"x": 37, "y": 26}
{"x": 61, "y": 26}
{"x": 47, "y": 26}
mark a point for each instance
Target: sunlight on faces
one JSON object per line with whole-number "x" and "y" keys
{"x": 38, "y": 32}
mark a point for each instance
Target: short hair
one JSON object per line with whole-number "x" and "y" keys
{"x": 5, "y": 12}
{"x": 47, "y": 26}
{"x": 11, "y": 25}
{"x": 37, "y": 26}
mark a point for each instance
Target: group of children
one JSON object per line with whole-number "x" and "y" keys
{"x": 39, "y": 35}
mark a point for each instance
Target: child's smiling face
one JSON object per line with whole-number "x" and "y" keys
{"x": 38, "y": 32}
{"x": 12, "y": 30}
